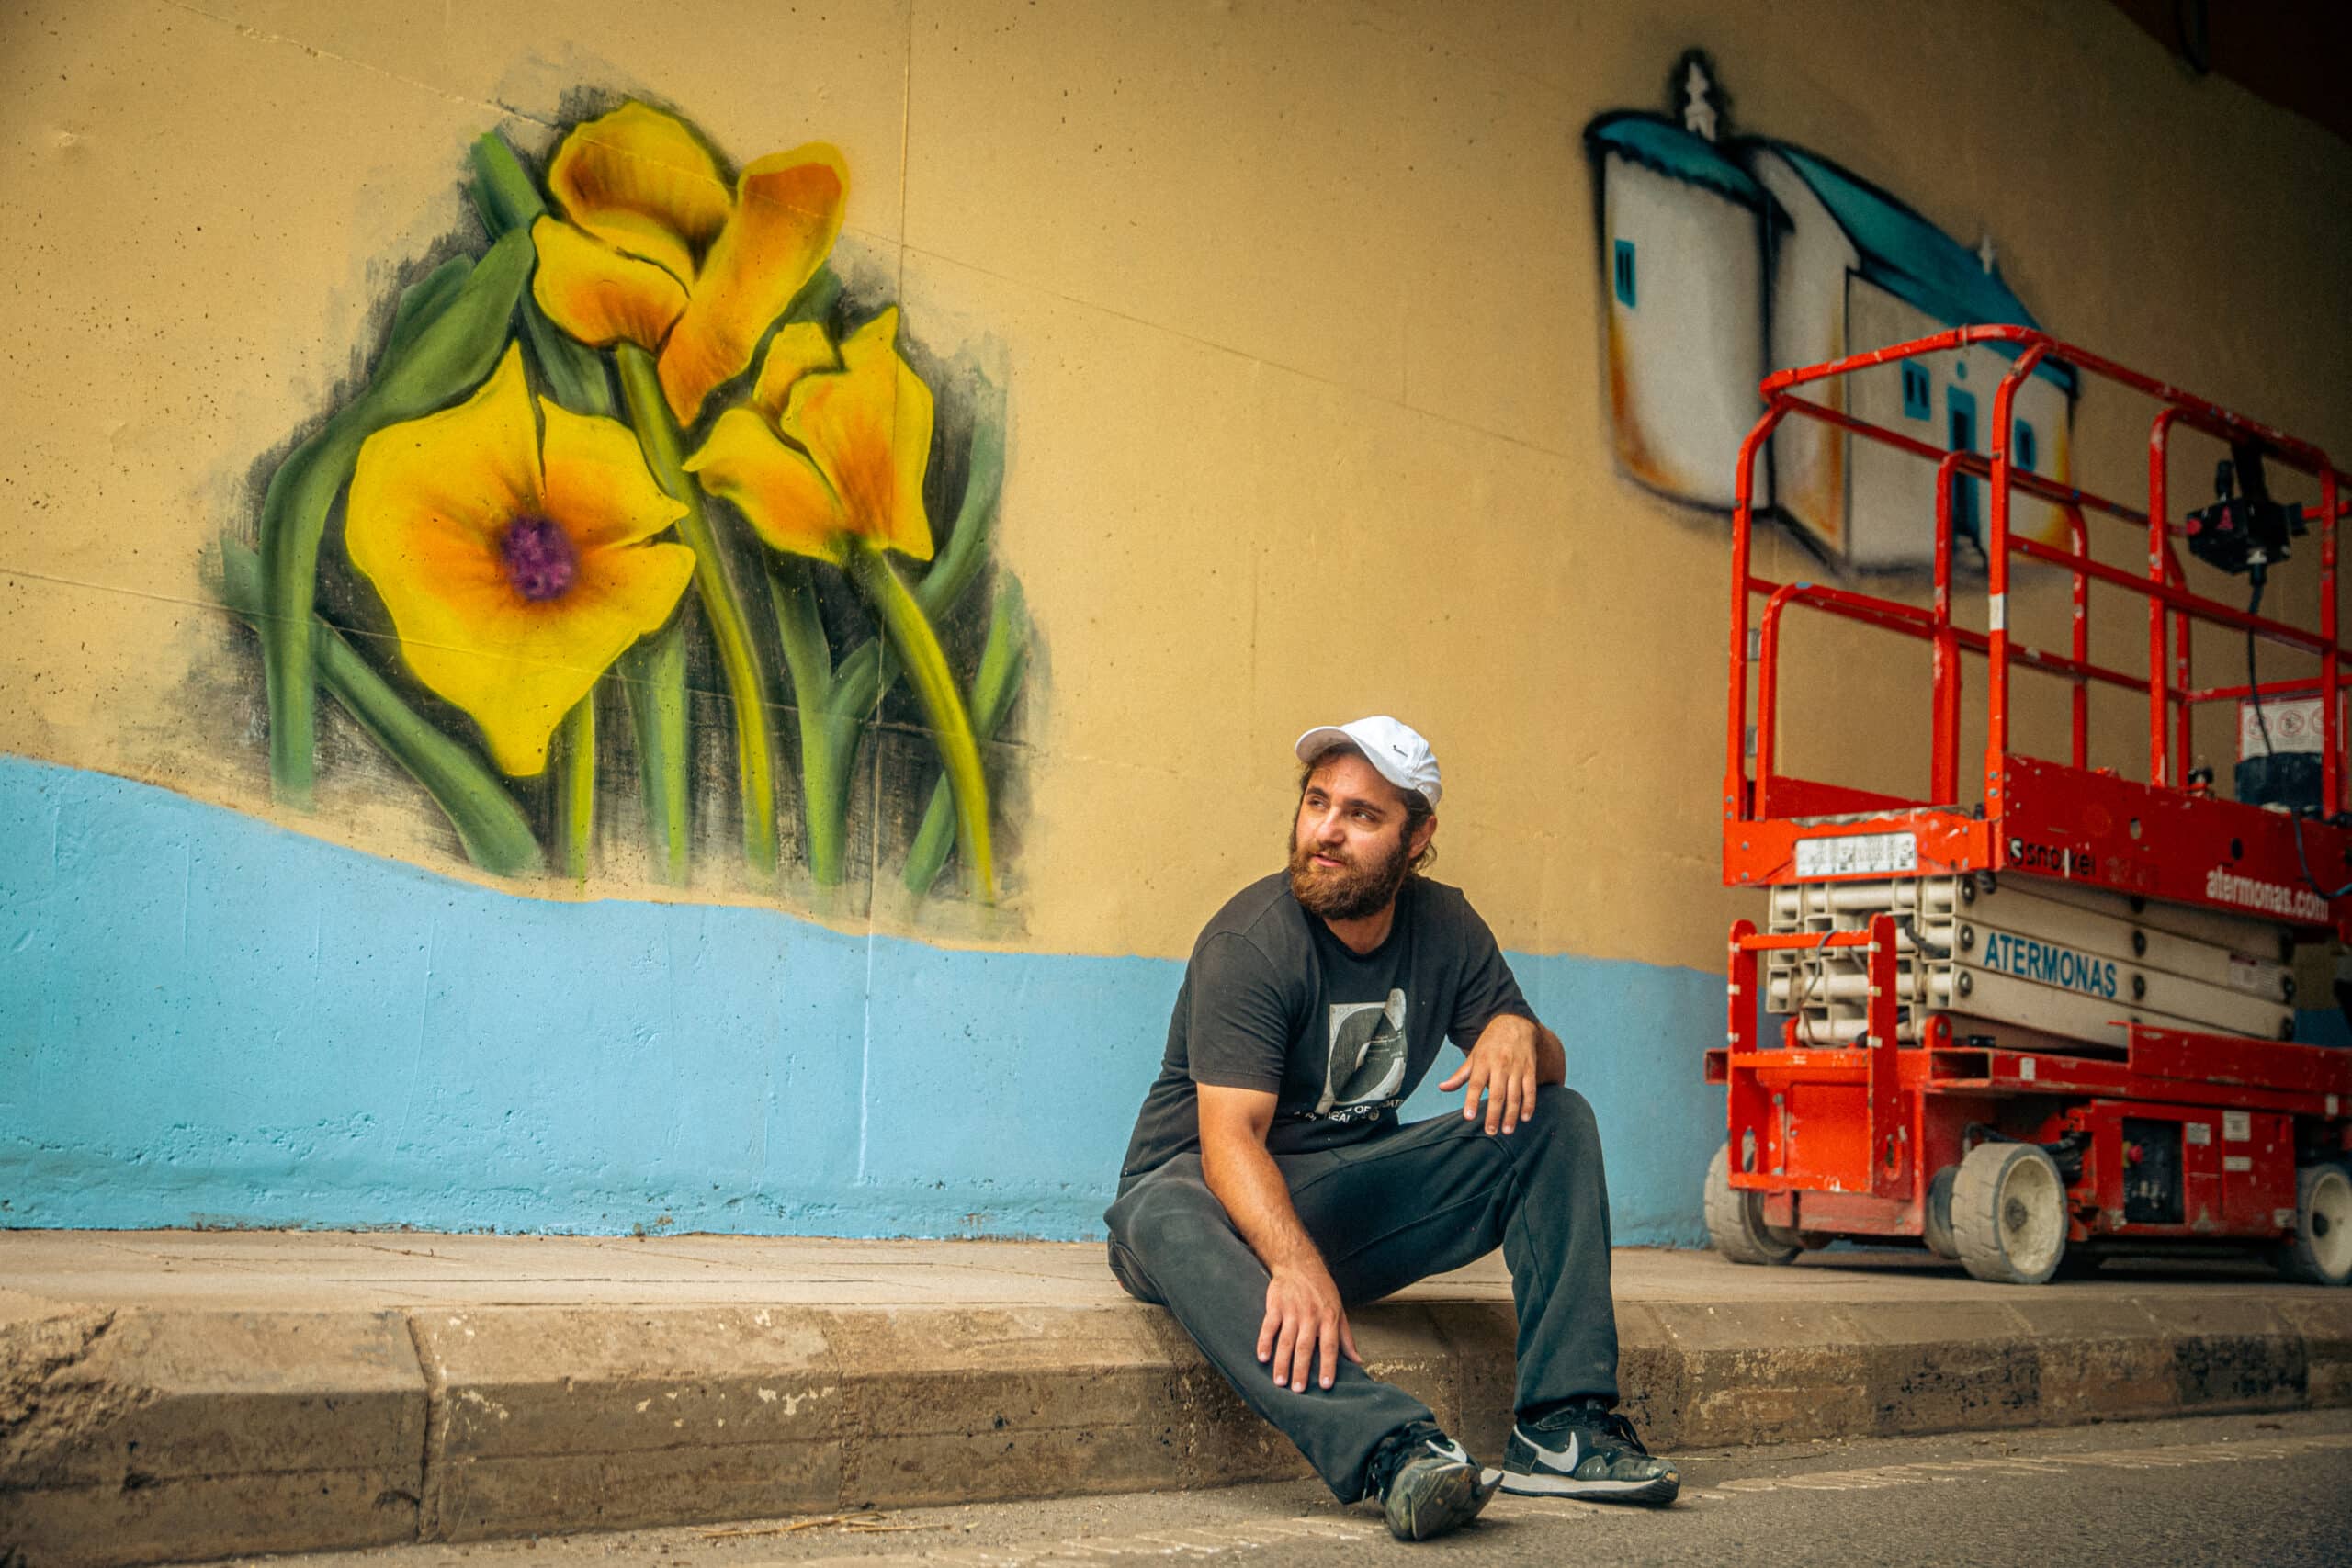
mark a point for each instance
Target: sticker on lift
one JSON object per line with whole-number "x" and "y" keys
{"x": 1858, "y": 854}
{"x": 2198, "y": 1132}
{"x": 2234, "y": 1164}
{"x": 2237, "y": 1126}
{"x": 2027, "y": 855}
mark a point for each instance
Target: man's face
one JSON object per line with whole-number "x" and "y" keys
{"x": 1350, "y": 846}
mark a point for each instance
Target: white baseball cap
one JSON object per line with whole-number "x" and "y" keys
{"x": 1392, "y": 747}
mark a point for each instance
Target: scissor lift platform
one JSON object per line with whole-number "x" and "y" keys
{"x": 2058, "y": 1020}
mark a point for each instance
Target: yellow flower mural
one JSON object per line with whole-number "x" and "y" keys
{"x": 530, "y": 482}
{"x": 827, "y": 449}
{"x": 657, "y": 251}
{"x": 517, "y": 564}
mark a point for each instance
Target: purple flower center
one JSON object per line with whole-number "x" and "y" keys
{"x": 539, "y": 558}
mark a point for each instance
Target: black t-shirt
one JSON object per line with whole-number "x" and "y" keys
{"x": 1274, "y": 1001}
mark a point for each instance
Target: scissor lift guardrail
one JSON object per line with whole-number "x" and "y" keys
{"x": 1909, "y": 1120}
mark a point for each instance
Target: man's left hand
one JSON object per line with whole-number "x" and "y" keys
{"x": 1502, "y": 1068}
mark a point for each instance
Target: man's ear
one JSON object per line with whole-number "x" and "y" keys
{"x": 1423, "y": 834}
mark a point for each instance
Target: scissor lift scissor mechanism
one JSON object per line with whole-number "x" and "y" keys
{"x": 2060, "y": 1019}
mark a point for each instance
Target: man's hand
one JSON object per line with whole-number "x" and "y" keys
{"x": 1511, "y": 1057}
{"x": 1304, "y": 1317}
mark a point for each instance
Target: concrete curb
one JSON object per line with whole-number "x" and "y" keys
{"x": 147, "y": 1435}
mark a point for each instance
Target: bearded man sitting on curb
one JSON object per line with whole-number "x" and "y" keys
{"x": 1268, "y": 1184}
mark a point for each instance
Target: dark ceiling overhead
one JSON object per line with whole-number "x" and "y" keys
{"x": 2295, "y": 53}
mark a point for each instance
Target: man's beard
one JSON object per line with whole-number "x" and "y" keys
{"x": 1349, "y": 893}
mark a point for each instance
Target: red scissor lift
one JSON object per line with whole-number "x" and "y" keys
{"x": 2018, "y": 1101}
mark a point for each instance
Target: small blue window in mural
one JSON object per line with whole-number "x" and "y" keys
{"x": 1914, "y": 392}
{"x": 2028, "y": 450}
{"x": 1959, "y": 426}
{"x": 1626, "y": 273}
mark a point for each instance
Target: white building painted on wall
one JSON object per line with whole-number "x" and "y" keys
{"x": 1686, "y": 234}
{"x": 1723, "y": 262}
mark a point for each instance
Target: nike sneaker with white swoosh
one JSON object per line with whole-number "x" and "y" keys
{"x": 1586, "y": 1453}
{"x": 1428, "y": 1483}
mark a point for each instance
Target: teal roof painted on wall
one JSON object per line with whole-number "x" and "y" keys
{"x": 1659, "y": 144}
{"x": 1910, "y": 257}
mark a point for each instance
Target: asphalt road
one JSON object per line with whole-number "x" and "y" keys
{"x": 2273, "y": 1490}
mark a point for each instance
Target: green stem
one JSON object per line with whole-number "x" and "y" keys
{"x": 824, "y": 803}
{"x": 869, "y": 670}
{"x": 1003, "y": 663}
{"x": 575, "y": 799}
{"x": 918, "y": 649}
{"x": 657, "y": 432}
{"x": 654, "y": 674}
{"x": 490, "y": 828}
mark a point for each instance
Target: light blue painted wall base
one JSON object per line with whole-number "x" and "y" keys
{"x": 205, "y": 1020}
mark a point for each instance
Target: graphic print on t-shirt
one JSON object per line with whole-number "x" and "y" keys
{"x": 1366, "y": 1064}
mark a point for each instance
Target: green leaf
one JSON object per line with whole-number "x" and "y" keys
{"x": 449, "y": 355}
{"x": 490, "y": 827}
{"x": 967, "y": 550}
{"x": 1003, "y": 664}
{"x": 504, "y": 192}
{"x": 425, "y": 300}
{"x": 575, "y": 798}
{"x": 653, "y": 674}
{"x": 815, "y": 299}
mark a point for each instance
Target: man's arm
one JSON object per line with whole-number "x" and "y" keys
{"x": 1302, "y": 1310}
{"x": 1511, "y": 1057}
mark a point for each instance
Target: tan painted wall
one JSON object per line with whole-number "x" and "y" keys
{"x": 1297, "y": 305}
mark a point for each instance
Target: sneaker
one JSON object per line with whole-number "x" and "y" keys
{"x": 1587, "y": 1453}
{"x": 1428, "y": 1483}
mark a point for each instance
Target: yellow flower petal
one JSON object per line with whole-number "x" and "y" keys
{"x": 773, "y": 486}
{"x": 473, "y": 467}
{"x": 598, "y": 295}
{"x": 788, "y": 212}
{"x": 598, "y": 487}
{"x": 642, "y": 181}
{"x": 868, "y": 429}
{"x": 519, "y": 666}
{"x": 797, "y": 349}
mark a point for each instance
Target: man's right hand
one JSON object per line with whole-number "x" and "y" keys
{"x": 1305, "y": 1321}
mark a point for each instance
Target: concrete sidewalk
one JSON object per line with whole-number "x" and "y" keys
{"x": 168, "y": 1396}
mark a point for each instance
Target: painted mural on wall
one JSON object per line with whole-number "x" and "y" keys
{"x": 1726, "y": 258}
{"x": 637, "y": 445}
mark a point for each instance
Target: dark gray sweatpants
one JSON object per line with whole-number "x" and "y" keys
{"x": 1429, "y": 1197}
